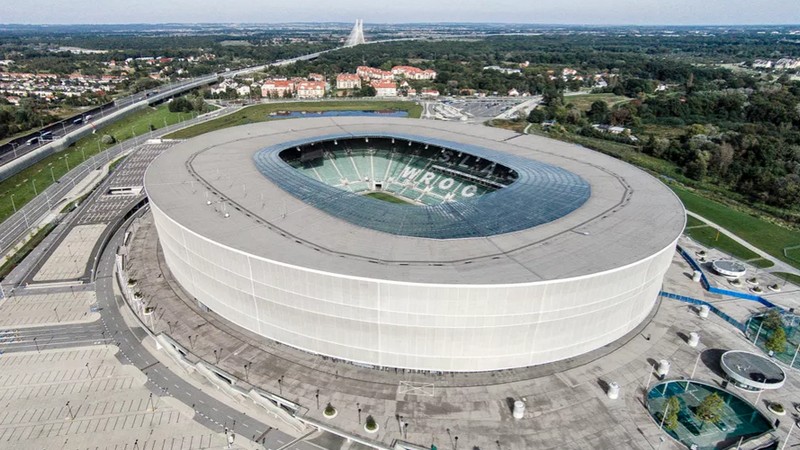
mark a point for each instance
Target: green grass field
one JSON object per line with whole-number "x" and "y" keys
{"x": 21, "y": 185}
{"x": 260, "y": 113}
{"x": 383, "y": 196}
{"x": 692, "y": 221}
{"x": 584, "y": 101}
{"x": 765, "y": 235}
{"x": 790, "y": 277}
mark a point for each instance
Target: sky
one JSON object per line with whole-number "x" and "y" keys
{"x": 592, "y": 12}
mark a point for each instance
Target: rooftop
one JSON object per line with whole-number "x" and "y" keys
{"x": 629, "y": 215}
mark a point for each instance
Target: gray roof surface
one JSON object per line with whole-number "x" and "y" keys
{"x": 629, "y": 216}
{"x": 754, "y": 367}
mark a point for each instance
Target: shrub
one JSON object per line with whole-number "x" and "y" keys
{"x": 329, "y": 410}
{"x": 773, "y": 320}
{"x": 673, "y": 409}
{"x": 371, "y": 424}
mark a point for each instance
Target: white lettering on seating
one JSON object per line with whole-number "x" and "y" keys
{"x": 446, "y": 184}
{"x": 487, "y": 169}
{"x": 469, "y": 191}
{"x": 427, "y": 178}
{"x": 410, "y": 172}
{"x": 445, "y": 156}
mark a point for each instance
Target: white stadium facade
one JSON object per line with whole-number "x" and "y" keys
{"x": 495, "y": 250}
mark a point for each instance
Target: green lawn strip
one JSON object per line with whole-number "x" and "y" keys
{"x": 761, "y": 263}
{"x": 15, "y": 259}
{"x": 765, "y": 235}
{"x": 790, "y": 277}
{"x": 21, "y": 185}
{"x": 260, "y": 113}
{"x": 692, "y": 221}
{"x": 386, "y": 197}
{"x": 711, "y": 237}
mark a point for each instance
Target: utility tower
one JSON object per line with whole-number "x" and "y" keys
{"x": 357, "y": 35}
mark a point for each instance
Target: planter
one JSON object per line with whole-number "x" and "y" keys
{"x": 757, "y": 290}
{"x": 374, "y": 430}
{"x": 777, "y": 409}
{"x": 752, "y": 281}
{"x": 774, "y": 288}
{"x": 330, "y": 412}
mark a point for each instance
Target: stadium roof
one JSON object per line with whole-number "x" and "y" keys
{"x": 541, "y": 193}
{"x": 628, "y": 216}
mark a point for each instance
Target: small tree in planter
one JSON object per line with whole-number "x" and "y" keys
{"x": 710, "y": 409}
{"x": 132, "y": 282}
{"x": 370, "y": 425}
{"x": 777, "y": 341}
{"x": 329, "y": 411}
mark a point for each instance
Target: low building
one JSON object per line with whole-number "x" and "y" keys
{"x": 429, "y": 93}
{"x": 413, "y": 73}
{"x": 385, "y": 88}
{"x": 277, "y": 88}
{"x": 371, "y": 73}
{"x": 316, "y": 77}
{"x": 311, "y": 89}
{"x": 348, "y": 81}
{"x": 243, "y": 91}
{"x": 504, "y": 70}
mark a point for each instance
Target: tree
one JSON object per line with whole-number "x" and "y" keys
{"x": 180, "y": 104}
{"x": 537, "y": 116}
{"x": 777, "y": 341}
{"x": 598, "y": 112}
{"x": 773, "y": 320}
{"x": 673, "y": 408}
{"x": 710, "y": 409}
{"x": 108, "y": 139}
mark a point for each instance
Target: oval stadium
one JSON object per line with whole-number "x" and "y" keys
{"x": 413, "y": 244}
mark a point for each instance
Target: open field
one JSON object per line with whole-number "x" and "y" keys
{"x": 260, "y": 113}
{"x": 765, "y": 235}
{"x": 42, "y": 174}
{"x": 584, "y": 101}
{"x": 386, "y": 197}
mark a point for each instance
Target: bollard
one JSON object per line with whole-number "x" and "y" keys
{"x": 663, "y": 368}
{"x": 694, "y": 339}
{"x": 519, "y": 409}
{"x": 613, "y": 390}
{"x": 704, "y": 310}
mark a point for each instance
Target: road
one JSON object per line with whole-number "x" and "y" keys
{"x": 212, "y": 413}
{"x": 19, "y": 147}
{"x": 14, "y": 228}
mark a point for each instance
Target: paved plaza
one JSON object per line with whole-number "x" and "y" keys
{"x": 33, "y": 309}
{"x": 68, "y": 261}
{"x": 566, "y": 402}
{"x": 83, "y": 398}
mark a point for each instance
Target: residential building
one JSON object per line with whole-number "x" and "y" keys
{"x": 385, "y": 88}
{"x": 316, "y": 77}
{"x": 413, "y": 73}
{"x": 348, "y": 81}
{"x": 371, "y": 73}
{"x": 311, "y": 89}
{"x": 277, "y": 88}
{"x": 504, "y": 70}
{"x": 429, "y": 93}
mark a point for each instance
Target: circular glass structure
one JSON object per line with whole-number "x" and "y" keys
{"x": 752, "y": 372}
{"x": 463, "y": 191}
{"x": 729, "y": 268}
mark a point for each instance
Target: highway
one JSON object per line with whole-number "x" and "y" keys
{"x": 13, "y": 229}
{"x": 19, "y": 147}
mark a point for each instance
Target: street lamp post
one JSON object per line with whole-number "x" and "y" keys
{"x": 36, "y": 344}
{"x": 696, "y": 361}
{"x": 787, "y": 436}
{"x": 90, "y": 371}
{"x": 13, "y": 205}
{"x": 55, "y": 310}
{"x": 33, "y": 181}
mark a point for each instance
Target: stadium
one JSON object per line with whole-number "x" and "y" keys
{"x": 414, "y": 244}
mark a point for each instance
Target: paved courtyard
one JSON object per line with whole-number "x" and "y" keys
{"x": 68, "y": 261}
{"x": 83, "y": 398}
{"x": 566, "y": 402}
{"x": 30, "y": 309}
